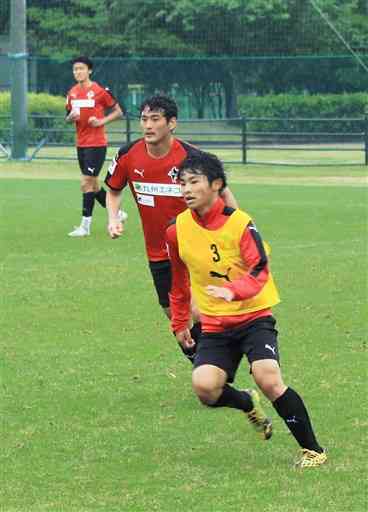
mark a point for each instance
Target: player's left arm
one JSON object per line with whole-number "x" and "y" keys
{"x": 229, "y": 198}
{"x": 108, "y": 101}
{"x": 253, "y": 253}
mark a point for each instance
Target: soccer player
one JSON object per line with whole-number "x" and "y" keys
{"x": 218, "y": 252}
{"x": 150, "y": 167}
{"x": 86, "y": 104}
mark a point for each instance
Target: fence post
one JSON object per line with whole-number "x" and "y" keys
{"x": 19, "y": 78}
{"x": 366, "y": 137}
{"x": 244, "y": 139}
{"x": 128, "y": 132}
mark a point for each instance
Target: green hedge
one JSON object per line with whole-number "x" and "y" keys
{"x": 285, "y": 106}
{"x": 348, "y": 106}
{"x": 40, "y": 106}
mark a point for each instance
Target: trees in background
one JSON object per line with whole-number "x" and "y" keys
{"x": 223, "y": 42}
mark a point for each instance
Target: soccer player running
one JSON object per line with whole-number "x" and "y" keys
{"x": 150, "y": 167}
{"x": 218, "y": 252}
{"x": 86, "y": 104}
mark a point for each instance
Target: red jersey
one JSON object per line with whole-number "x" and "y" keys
{"x": 155, "y": 187}
{"x": 90, "y": 101}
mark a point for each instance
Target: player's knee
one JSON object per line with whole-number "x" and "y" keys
{"x": 87, "y": 184}
{"x": 267, "y": 376}
{"x": 272, "y": 388}
{"x": 206, "y": 398}
{"x": 85, "y": 188}
{"x": 205, "y": 390}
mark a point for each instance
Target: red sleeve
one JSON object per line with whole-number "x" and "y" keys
{"x": 180, "y": 285}
{"x": 117, "y": 174}
{"x": 107, "y": 98}
{"x": 254, "y": 256}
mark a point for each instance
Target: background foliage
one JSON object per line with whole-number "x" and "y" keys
{"x": 157, "y": 28}
{"x": 47, "y": 112}
{"x": 203, "y": 52}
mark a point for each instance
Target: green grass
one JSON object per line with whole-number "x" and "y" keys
{"x": 97, "y": 409}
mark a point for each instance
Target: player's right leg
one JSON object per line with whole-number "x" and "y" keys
{"x": 225, "y": 350}
{"x": 217, "y": 360}
{"x": 94, "y": 161}
{"x": 88, "y": 194}
{"x": 88, "y": 201}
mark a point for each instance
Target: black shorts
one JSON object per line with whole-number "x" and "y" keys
{"x": 161, "y": 274}
{"x": 257, "y": 340}
{"x": 91, "y": 160}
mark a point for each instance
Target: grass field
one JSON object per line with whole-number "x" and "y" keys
{"x": 97, "y": 409}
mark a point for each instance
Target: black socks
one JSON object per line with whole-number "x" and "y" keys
{"x": 89, "y": 201}
{"x": 101, "y": 197}
{"x": 292, "y": 410}
{"x": 234, "y": 398}
{"x": 88, "y": 204}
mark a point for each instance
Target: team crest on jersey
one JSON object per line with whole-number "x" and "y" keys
{"x": 90, "y": 94}
{"x": 173, "y": 174}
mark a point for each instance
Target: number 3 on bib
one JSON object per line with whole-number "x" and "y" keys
{"x": 216, "y": 256}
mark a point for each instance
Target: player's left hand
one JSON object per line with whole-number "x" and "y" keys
{"x": 219, "y": 292}
{"x": 93, "y": 121}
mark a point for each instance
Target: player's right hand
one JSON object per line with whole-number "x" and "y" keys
{"x": 185, "y": 339}
{"x": 73, "y": 116}
{"x": 115, "y": 229}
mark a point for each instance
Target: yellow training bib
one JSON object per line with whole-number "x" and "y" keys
{"x": 213, "y": 258}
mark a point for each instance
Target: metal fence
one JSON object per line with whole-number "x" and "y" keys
{"x": 244, "y": 140}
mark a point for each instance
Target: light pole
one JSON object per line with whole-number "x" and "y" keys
{"x": 19, "y": 78}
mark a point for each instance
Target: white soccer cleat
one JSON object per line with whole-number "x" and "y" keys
{"x": 122, "y": 216}
{"x": 79, "y": 231}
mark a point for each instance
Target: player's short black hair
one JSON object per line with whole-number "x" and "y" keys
{"x": 83, "y": 60}
{"x": 162, "y": 104}
{"x": 204, "y": 163}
